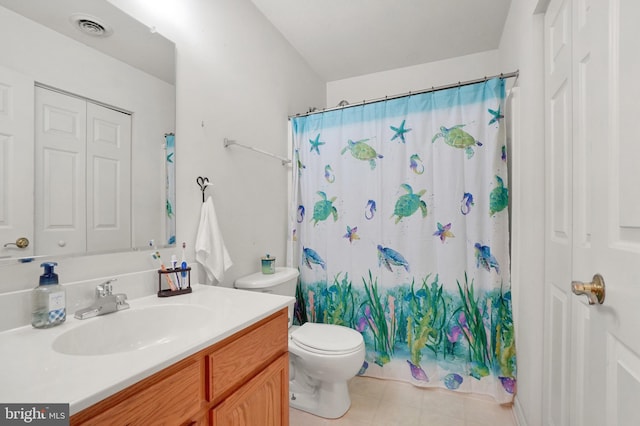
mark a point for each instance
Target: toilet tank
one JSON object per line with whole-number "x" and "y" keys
{"x": 283, "y": 281}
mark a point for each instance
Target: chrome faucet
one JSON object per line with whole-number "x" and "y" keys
{"x": 105, "y": 303}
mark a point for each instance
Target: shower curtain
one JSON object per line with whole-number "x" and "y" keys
{"x": 399, "y": 227}
{"x": 170, "y": 164}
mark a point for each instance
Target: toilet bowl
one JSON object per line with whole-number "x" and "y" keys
{"x": 322, "y": 357}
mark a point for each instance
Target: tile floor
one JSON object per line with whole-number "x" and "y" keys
{"x": 377, "y": 402}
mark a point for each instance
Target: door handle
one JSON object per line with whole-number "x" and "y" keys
{"x": 595, "y": 290}
{"x": 20, "y": 243}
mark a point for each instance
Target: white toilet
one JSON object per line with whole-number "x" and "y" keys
{"x": 322, "y": 357}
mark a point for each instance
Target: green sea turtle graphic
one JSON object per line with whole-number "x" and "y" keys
{"x": 498, "y": 198}
{"x": 323, "y": 208}
{"x": 457, "y": 138}
{"x": 362, "y": 151}
{"x": 407, "y": 204}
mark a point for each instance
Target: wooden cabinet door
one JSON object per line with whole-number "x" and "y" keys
{"x": 264, "y": 400}
{"x": 166, "y": 401}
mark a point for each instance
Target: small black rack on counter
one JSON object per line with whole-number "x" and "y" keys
{"x": 177, "y": 281}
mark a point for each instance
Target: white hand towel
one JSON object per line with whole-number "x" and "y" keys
{"x": 211, "y": 252}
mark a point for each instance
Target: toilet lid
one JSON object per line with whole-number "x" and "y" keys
{"x": 327, "y": 338}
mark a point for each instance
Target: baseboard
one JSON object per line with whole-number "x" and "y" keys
{"x": 518, "y": 414}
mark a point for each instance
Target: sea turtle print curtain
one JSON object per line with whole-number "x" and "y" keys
{"x": 399, "y": 224}
{"x": 170, "y": 164}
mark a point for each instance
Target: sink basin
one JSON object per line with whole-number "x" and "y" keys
{"x": 134, "y": 329}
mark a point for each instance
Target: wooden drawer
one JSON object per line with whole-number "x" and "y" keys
{"x": 235, "y": 361}
{"x": 168, "y": 401}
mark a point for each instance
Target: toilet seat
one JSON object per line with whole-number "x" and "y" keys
{"x": 327, "y": 339}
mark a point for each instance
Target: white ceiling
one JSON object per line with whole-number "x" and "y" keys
{"x": 131, "y": 42}
{"x": 347, "y": 38}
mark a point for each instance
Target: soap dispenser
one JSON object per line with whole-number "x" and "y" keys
{"x": 48, "y": 300}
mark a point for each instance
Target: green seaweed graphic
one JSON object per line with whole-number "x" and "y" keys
{"x": 300, "y": 307}
{"x": 466, "y": 332}
{"x": 382, "y": 327}
{"x": 474, "y": 330}
{"x": 488, "y": 328}
{"x": 504, "y": 335}
{"x": 427, "y": 321}
{"x": 339, "y": 303}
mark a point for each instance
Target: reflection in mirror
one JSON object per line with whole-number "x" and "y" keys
{"x": 84, "y": 120}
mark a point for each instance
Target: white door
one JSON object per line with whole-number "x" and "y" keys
{"x": 592, "y": 352}
{"x": 16, "y": 163}
{"x": 60, "y": 133}
{"x": 108, "y": 177}
{"x": 83, "y": 175}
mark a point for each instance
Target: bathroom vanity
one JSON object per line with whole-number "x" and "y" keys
{"x": 225, "y": 364}
{"x": 241, "y": 380}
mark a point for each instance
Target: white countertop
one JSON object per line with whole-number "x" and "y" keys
{"x": 32, "y": 372}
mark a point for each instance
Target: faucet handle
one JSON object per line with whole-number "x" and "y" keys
{"x": 121, "y": 302}
{"x": 105, "y": 289}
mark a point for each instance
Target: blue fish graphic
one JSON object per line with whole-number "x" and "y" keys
{"x": 300, "y": 217}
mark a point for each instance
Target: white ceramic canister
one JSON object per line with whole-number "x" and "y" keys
{"x": 268, "y": 264}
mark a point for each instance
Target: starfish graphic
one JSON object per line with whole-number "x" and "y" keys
{"x": 444, "y": 232}
{"x": 400, "y": 131}
{"x": 351, "y": 234}
{"x": 315, "y": 144}
{"x": 497, "y": 115}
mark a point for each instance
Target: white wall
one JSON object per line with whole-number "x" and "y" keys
{"x": 522, "y": 47}
{"x": 418, "y": 77}
{"x": 239, "y": 77}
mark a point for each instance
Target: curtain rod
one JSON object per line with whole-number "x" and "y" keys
{"x": 431, "y": 89}
{"x": 229, "y": 142}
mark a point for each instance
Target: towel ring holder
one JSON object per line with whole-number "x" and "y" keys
{"x": 203, "y": 182}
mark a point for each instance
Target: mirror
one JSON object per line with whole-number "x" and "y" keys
{"x": 70, "y": 201}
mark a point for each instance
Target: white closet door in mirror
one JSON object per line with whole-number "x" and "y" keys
{"x": 61, "y": 140}
{"x": 108, "y": 177}
{"x": 16, "y": 166}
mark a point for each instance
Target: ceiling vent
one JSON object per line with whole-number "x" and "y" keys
{"x": 90, "y": 25}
